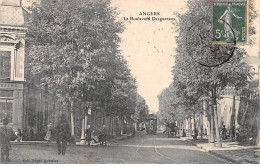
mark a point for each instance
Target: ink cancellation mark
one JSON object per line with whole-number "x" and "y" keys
{"x": 198, "y": 35}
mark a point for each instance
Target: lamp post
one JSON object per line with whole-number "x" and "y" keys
{"x": 82, "y": 138}
{"x": 85, "y": 123}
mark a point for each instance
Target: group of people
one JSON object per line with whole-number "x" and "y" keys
{"x": 170, "y": 129}
{"x": 96, "y": 135}
{"x": 61, "y": 133}
{"x": 6, "y": 135}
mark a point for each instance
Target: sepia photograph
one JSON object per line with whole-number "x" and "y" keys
{"x": 129, "y": 82}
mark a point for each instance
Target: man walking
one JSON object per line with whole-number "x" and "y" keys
{"x": 88, "y": 135}
{"x": 6, "y": 134}
{"x": 224, "y": 132}
{"x": 62, "y": 132}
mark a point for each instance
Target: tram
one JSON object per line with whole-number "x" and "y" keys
{"x": 151, "y": 124}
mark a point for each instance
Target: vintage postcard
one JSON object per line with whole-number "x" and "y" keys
{"x": 129, "y": 81}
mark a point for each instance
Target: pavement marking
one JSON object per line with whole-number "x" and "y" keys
{"x": 148, "y": 160}
{"x": 164, "y": 155}
{"x": 152, "y": 146}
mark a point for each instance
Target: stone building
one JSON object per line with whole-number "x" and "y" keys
{"x": 22, "y": 101}
{"x": 12, "y": 45}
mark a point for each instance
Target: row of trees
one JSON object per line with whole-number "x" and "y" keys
{"x": 193, "y": 82}
{"x": 72, "y": 48}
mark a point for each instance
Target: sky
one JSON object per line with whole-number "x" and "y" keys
{"x": 149, "y": 46}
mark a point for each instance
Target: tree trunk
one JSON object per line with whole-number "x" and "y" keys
{"x": 258, "y": 136}
{"x": 86, "y": 120}
{"x": 214, "y": 104}
{"x": 72, "y": 123}
{"x": 121, "y": 125}
{"x": 244, "y": 114}
{"x": 211, "y": 136}
{"x": 72, "y": 119}
{"x": 190, "y": 126}
{"x": 201, "y": 125}
{"x": 233, "y": 117}
{"x": 110, "y": 125}
{"x": 195, "y": 127}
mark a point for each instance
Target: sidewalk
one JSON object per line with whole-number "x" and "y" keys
{"x": 230, "y": 151}
{"x": 123, "y": 137}
{"x": 45, "y": 143}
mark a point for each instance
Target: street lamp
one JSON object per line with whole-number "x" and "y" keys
{"x": 85, "y": 122}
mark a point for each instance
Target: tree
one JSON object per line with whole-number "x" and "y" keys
{"x": 72, "y": 47}
{"x": 192, "y": 81}
{"x": 142, "y": 109}
{"x": 176, "y": 105}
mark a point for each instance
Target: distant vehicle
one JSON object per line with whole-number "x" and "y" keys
{"x": 151, "y": 124}
{"x": 171, "y": 130}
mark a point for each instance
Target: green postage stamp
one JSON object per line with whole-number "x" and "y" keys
{"x": 229, "y": 21}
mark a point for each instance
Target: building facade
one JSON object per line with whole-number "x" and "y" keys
{"x": 22, "y": 101}
{"x": 12, "y": 54}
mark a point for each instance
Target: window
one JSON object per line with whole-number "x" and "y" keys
{"x": 6, "y": 110}
{"x": 5, "y": 64}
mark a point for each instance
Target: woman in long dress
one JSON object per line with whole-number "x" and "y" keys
{"x": 48, "y": 134}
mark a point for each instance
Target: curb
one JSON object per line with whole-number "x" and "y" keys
{"x": 211, "y": 152}
{"x": 252, "y": 162}
{"x": 224, "y": 157}
{"x": 54, "y": 143}
{"x": 220, "y": 155}
{"x": 195, "y": 145}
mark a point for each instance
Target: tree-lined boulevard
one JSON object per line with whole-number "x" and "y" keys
{"x": 142, "y": 149}
{"x": 78, "y": 101}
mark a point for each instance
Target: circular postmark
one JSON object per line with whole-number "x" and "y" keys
{"x": 202, "y": 50}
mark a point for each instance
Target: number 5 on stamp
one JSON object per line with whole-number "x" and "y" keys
{"x": 229, "y": 21}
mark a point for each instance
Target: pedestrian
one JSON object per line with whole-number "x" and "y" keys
{"x": 94, "y": 135}
{"x": 48, "y": 133}
{"x": 31, "y": 134}
{"x": 88, "y": 135}
{"x": 183, "y": 133}
{"x": 62, "y": 133}
{"x": 205, "y": 132}
{"x": 132, "y": 130}
{"x": 233, "y": 133}
{"x": 224, "y": 132}
{"x": 6, "y": 135}
{"x": 19, "y": 135}
{"x": 103, "y": 136}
